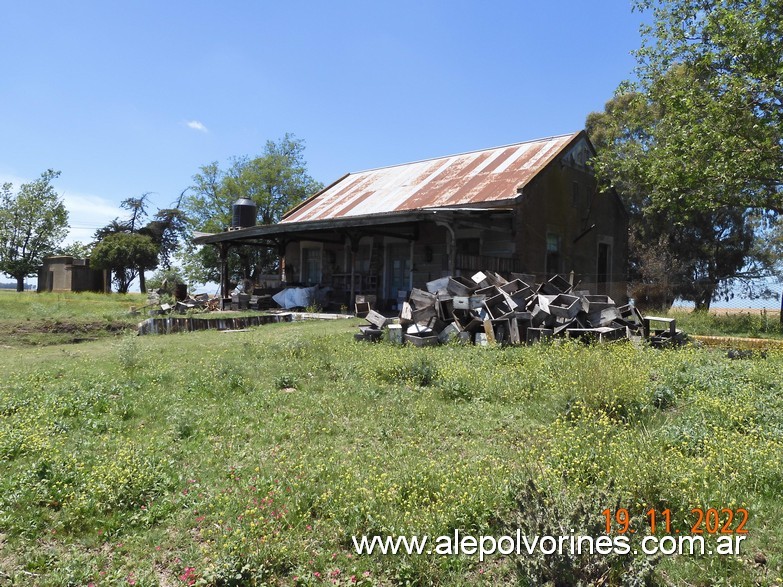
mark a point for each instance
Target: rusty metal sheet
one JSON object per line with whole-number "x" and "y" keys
{"x": 485, "y": 177}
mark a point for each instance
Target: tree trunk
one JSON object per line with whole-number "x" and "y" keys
{"x": 142, "y": 281}
{"x": 122, "y": 281}
{"x": 20, "y": 283}
{"x": 704, "y": 299}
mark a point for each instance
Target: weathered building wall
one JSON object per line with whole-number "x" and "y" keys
{"x": 430, "y": 259}
{"x": 562, "y": 208}
{"x": 83, "y": 278}
{"x": 64, "y": 273}
{"x": 561, "y": 224}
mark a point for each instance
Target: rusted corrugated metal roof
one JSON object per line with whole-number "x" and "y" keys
{"x": 478, "y": 178}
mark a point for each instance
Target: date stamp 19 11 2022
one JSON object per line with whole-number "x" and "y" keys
{"x": 701, "y": 521}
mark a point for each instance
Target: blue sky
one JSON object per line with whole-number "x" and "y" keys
{"x": 132, "y": 97}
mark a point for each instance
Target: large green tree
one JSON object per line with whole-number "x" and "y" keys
{"x": 696, "y": 256}
{"x": 276, "y": 180}
{"x": 33, "y": 222}
{"x": 714, "y": 71}
{"x": 695, "y": 143}
{"x": 163, "y": 231}
{"x": 125, "y": 254}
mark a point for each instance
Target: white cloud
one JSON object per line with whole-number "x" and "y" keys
{"x": 12, "y": 179}
{"x": 86, "y": 213}
{"x": 196, "y": 125}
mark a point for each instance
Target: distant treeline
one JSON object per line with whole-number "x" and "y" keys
{"x": 10, "y": 285}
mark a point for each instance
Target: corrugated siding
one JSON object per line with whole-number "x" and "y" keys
{"x": 480, "y": 177}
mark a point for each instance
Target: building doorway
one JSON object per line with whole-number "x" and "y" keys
{"x": 398, "y": 274}
{"x": 311, "y": 265}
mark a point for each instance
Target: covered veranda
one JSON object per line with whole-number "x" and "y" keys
{"x": 428, "y": 238}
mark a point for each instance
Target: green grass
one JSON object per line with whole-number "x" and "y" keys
{"x": 253, "y": 457}
{"x": 30, "y": 318}
{"x": 18, "y": 306}
{"x": 743, "y": 324}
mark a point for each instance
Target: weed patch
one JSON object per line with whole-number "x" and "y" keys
{"x": 545, "y": 513}
{"x": 161, "y": 461}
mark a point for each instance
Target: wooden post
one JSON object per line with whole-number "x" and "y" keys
{"x": 281, "y": 247}
{"x": 451, "y": 246}
{"x": 353, "y": 285}
{"x": 353, "y": 241}
{"x": 224, "y": 293}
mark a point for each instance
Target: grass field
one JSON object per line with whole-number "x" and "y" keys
{"x": 252, "y": 458}
{"x": 31, "y": 318}
{"x": 746, "y": 323}
{"x": 35, "y": 319}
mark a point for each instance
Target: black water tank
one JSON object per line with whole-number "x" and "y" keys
{"x": 243, "y": 213}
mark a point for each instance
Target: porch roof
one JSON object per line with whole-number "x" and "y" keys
{"x": 397, "y": 224}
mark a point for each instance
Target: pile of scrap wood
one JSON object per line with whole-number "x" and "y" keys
{"x": 203, "y": 302}
{"x": 198, "y": 301}
{"x": 489, "y": 308}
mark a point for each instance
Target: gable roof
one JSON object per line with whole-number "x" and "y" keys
{"x": 478, "y": 179}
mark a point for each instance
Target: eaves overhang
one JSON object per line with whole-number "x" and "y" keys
{"x": 311, "y": 228}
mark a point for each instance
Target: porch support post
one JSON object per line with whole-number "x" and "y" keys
{"x": 353, "y": 241}
{"x": 224, "y": 292}
{"x": 451, "y": 245}
{"x": 282, "y": 244}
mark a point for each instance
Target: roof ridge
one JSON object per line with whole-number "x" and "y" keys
{"x": 569, "y": 134}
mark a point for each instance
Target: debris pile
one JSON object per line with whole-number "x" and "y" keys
{"x": 199, "y": 301}
{"x": 489, "y": 308}
{"x": 154, "y": 307}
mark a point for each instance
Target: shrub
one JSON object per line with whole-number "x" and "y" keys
{"x": 456, "y": 390}
{"x": 407, "y": 366}
{"x": 663, "y": 396}
{"x": 285, "y": 381}
{"x": 539, "y": 513}
{"x": 422, "y": 372}
{"x": 128, "y": 352}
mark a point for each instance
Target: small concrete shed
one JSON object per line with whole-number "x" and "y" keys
{"x": 65, "y": 273}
